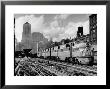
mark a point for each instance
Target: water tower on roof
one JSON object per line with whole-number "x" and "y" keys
{"x": 80, "y": 31}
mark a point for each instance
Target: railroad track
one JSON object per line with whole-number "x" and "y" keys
{"x": 41, "y": 67}
{"x": 30, "y": 69}
{"x": 86, "y": 70}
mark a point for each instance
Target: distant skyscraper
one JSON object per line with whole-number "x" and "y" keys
{"x": 26, "y": 35}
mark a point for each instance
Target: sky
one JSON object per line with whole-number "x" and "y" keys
{"x": 54, "y": 26}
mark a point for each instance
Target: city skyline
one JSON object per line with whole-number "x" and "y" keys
{"x": 55, "y": 26}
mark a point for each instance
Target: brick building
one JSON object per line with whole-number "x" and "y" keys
{"x": 93, "y": 28}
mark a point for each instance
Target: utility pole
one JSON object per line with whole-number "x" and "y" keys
{"x": 50, "y": 46}
{"x": 50, "y": 52}
{"x": 70, "y": 49}
{"x": 58, "y": 49}
{"x": 37, "y": 47}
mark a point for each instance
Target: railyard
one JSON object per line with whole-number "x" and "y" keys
{"x": 42, "y": 67}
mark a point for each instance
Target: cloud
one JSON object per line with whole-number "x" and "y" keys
{"x": 62, "y": 16}
{"x": 86, "y": 27}
{"x": 71, "y": 30}
{"x": 53, "y": 30}
{"x": 54, "y": 24}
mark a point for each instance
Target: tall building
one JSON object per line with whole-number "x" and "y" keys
{"x": 30, "y": 40}
{"x": 26, "y": 35}
{"x": 93, "y": 27}
{"x": 37, "y": 36}
{"x": 37, "y": 39}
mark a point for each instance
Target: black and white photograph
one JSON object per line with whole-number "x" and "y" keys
{"x": 55, "y": 44}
